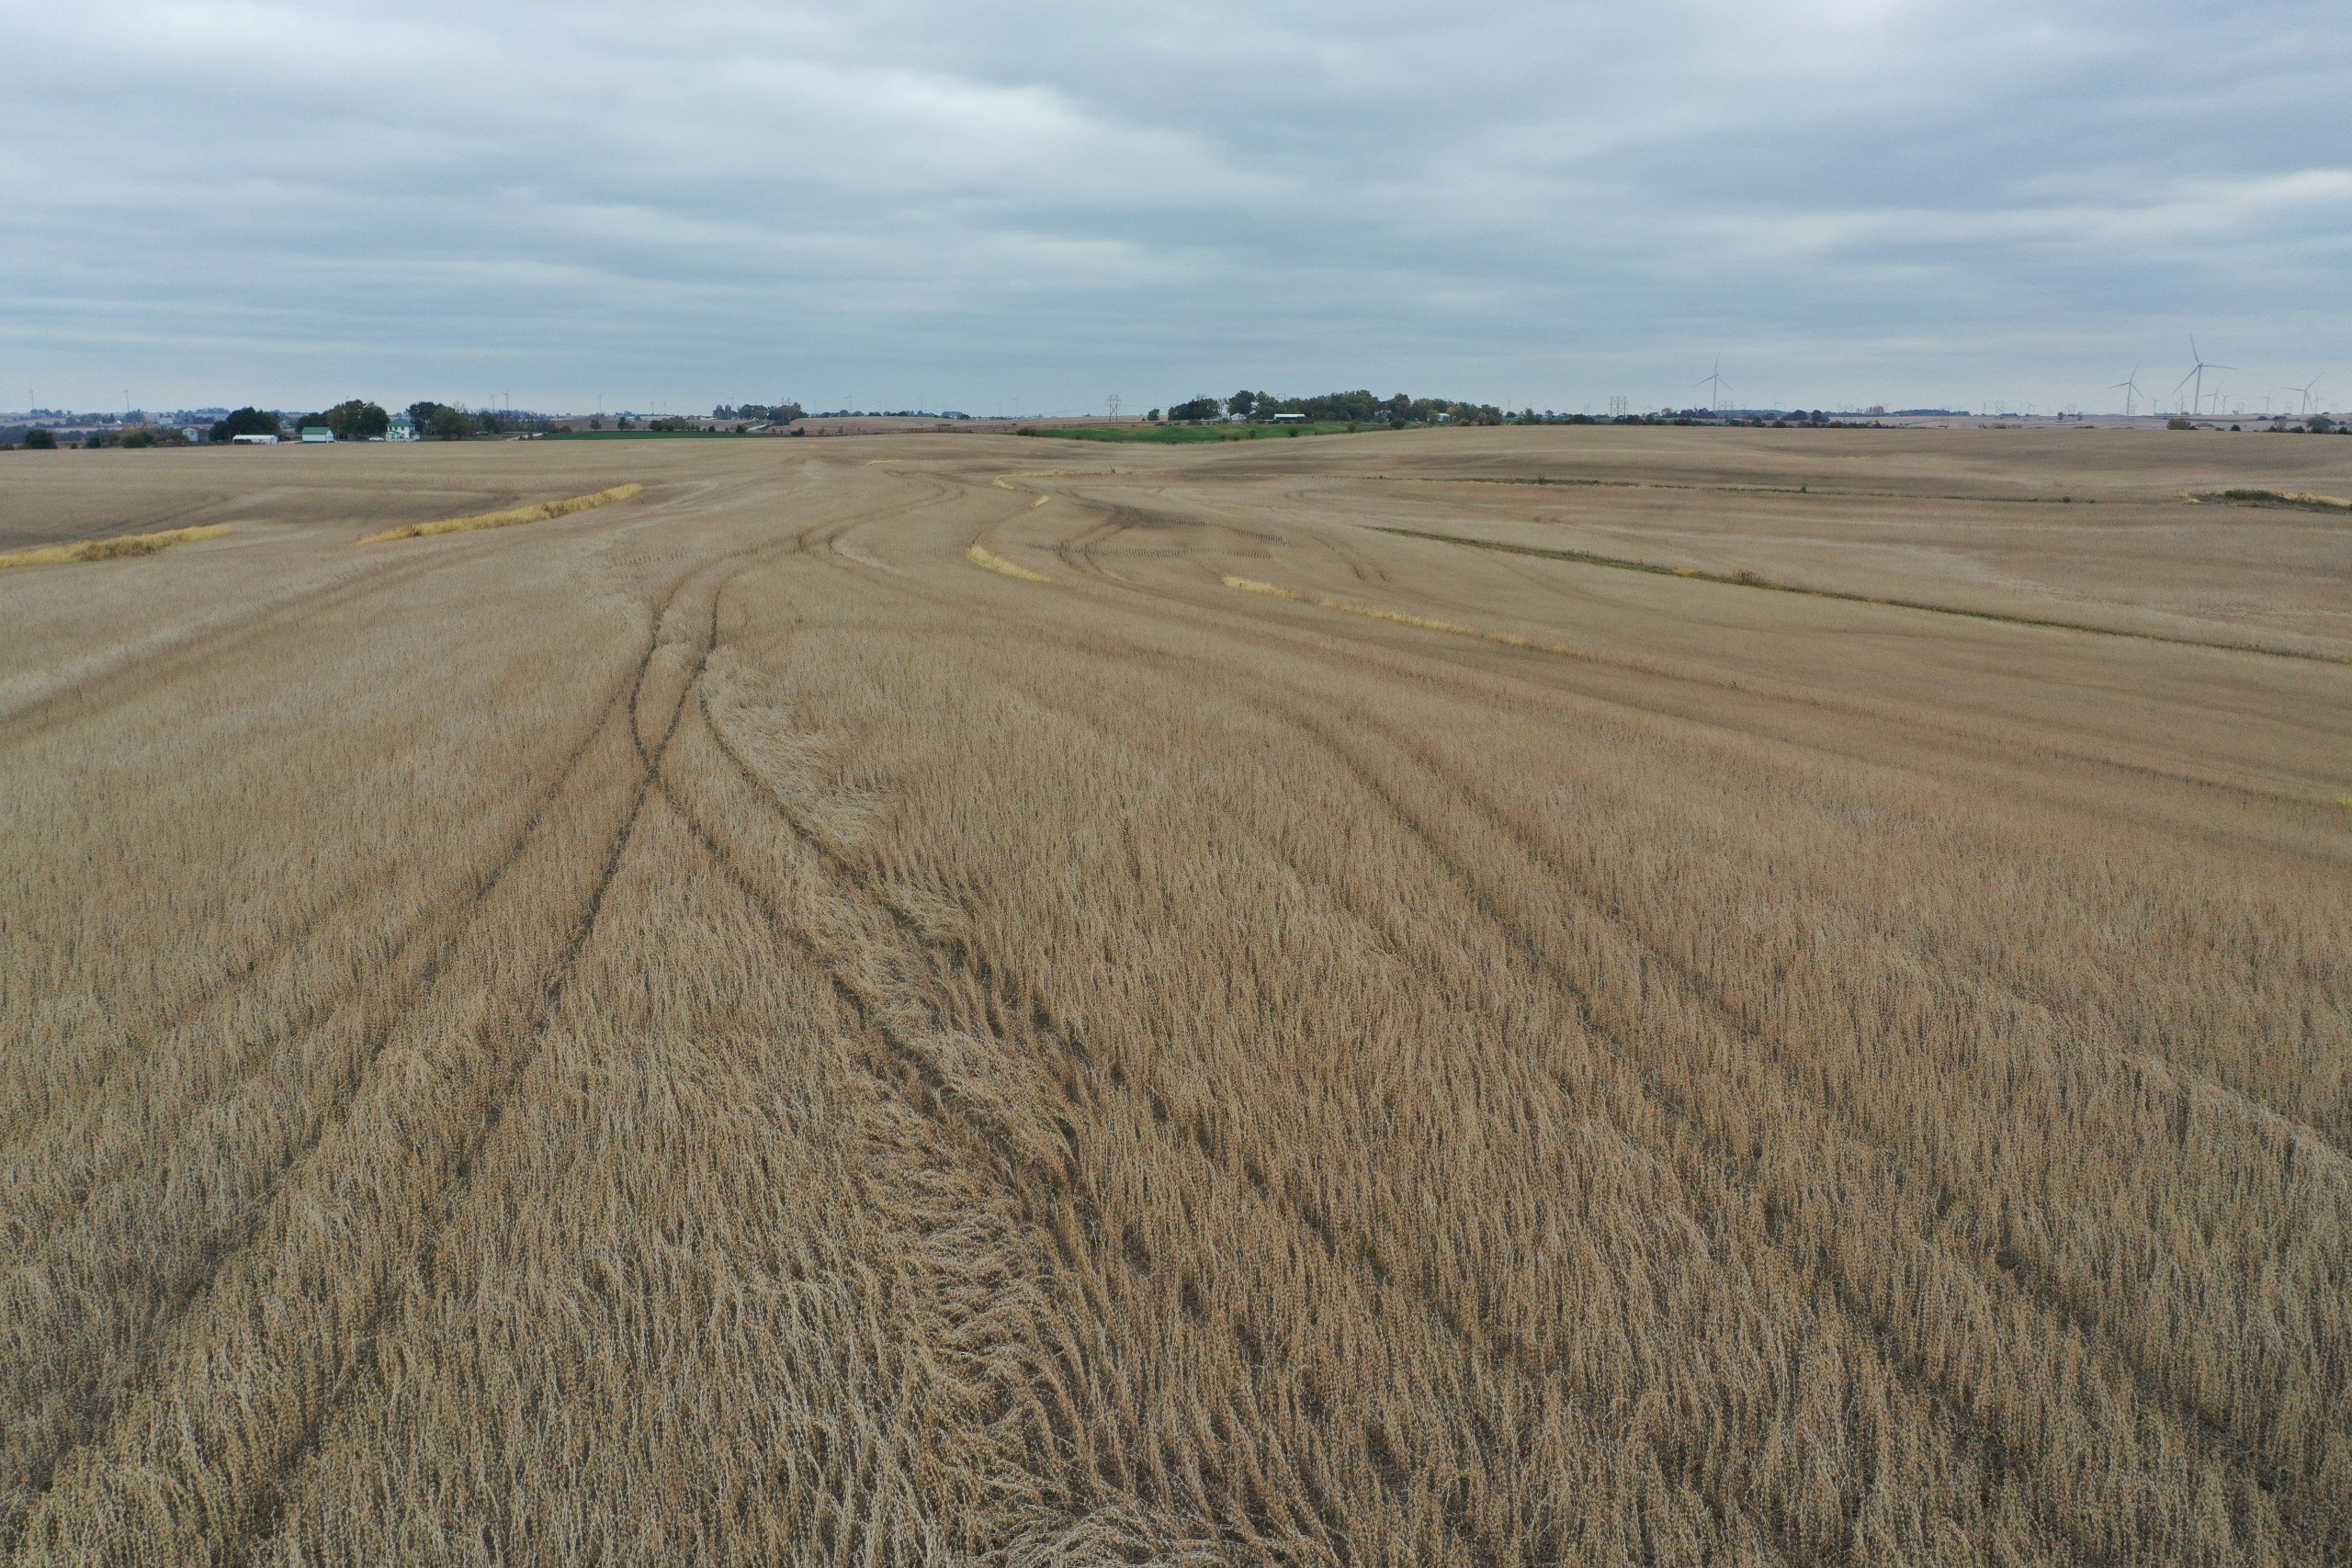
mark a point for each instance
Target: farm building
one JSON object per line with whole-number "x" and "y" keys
{"x": 316, "y": 434}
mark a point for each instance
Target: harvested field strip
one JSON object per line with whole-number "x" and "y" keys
{"x": 980, "y": 555}
{"x": 109, "y": 550}
{"x": 1750, "y": 580}
{"x": 539, "y": 511}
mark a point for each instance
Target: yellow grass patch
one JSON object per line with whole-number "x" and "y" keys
{"x": 539, "y": 512}
{"x": 981, "y": 555}
{"x": 108, "y": 549}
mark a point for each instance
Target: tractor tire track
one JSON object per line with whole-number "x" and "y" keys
{"x": 263, "y": 1509}
{"x": 2223, "y": 1449}
{"x": 1008, "y": 1015}
{"x": 183, "y": 1298}
{"x": 2216, "y": 1441}
{"x": 446, "y": 920}
{"x": 201, "y": 648}
{"x": 1909, "y": 1365}
{"x": 2021, "y": 1275}
{"x": 1015, "y": 1008}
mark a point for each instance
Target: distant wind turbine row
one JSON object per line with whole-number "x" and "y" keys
{"x": 2134, "y": 394}
{"x": 2194, "y": 384}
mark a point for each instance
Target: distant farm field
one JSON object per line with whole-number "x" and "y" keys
{"x": 895, "y": 1000}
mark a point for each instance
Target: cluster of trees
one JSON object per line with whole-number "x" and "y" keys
{"x": 246, "y": 422}
{"x": 354, "y": 420}
{"x": 442, "y": 422}
{"x": 39, "y": 438}
{"x": 773, "y": 413}
{"x": 1340, "y": 408}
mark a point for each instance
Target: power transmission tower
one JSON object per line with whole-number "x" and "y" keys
{"x": 1115, "y": 405}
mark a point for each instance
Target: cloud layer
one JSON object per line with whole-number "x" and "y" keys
{"x": 1034, "y": 205}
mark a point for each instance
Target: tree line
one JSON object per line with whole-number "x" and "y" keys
{"x": 769, "y": 413}
{"x": 1357, "y": 406}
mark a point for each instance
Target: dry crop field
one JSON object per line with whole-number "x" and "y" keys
{"x": 990, "y": 1000}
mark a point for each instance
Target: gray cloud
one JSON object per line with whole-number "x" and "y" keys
{"x": 968, "y": 205}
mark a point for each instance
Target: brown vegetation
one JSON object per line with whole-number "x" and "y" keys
{"x": 789, "y": 1048}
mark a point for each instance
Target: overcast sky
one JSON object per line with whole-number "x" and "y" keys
{"x": 1028, "y": 206}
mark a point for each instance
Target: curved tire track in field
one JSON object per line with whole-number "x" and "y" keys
{"x": 185, "y": 1294}
{"x": 2220, "y": 1445}
{"x": 1015, "y": 1008}
{"x": 18, "y": 1125}
{"x": 2223, "y": 1446}
{"x": 1854, "y": 1300}
{"x": 1432, "y": 663}
{"x": 264, "y": 1508}
{"x": 201, "y": 648}
{"x": 2155, "y": 1384}
{"x": 447, "y": 921}
{"x": 901, "y": 1068}
{"x": 265, "y": 1505}
{"x": 1011, "y": 1014}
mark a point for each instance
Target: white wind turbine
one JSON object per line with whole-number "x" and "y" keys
{"x": 2305, "y": 390}
{"x": 2196, "y": 399}
{"x": 2129, "y": 387}
{"x": 1713, "y": 382}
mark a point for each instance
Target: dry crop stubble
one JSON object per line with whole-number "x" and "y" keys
{"x": 1527, "y": 882}
{"x": 748, "y": 1026}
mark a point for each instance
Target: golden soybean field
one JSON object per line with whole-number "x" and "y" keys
{"x": 964, "y": 1000}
